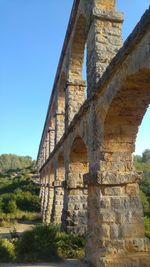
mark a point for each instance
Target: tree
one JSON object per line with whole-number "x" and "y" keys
{"x": 12, "y": 161}
{"x": 146, "y": 156}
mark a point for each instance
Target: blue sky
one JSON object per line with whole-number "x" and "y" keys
{"x": 32, "y": 34}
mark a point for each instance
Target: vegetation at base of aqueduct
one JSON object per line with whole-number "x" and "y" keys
{"x": 42, "y": 243}
{"x": 19, "y": 195}
{"x": 19, "y": 199}
{"x": 142, "y": 163}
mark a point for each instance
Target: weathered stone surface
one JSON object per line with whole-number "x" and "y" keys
{"x": 88, "y": 180}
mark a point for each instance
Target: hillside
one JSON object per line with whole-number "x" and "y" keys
{"x": 12, "y": 161}
{"x": 142, "y": 163}
{"x": 19, "y": 194}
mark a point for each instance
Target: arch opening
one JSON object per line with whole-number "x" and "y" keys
{"x": 142, "y": 139}
{"x": 76, "y": 86}
{"x": 78, "y": 49}
{"x": 125, "y": 114}
{"x": 121, "y": 127}
{"x": 60, "y": 111}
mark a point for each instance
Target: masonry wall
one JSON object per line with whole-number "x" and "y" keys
{"x": 88, "y": 181}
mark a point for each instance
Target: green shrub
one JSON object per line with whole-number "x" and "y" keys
{"x": 42, "y": 243}
{"x": 7, "y": 250}
{"x": 38, "y": 244}
{"x": 70, "y": 245}
{"x": 47, "y": 243}
{"x": 147, "y": 223}
{"x": 1, "y": 205}
{"x": 145, "y": 202}
{"x": 8, "y": 203}
{"x": 18, "y": 215}
{"x": 147, "y": 233}
{"x": 28, "y": 202}
{"x": 11, "y": 206}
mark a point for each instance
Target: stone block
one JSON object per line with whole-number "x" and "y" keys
{"x": 132, "y": 189}
{"x": 105, "y": 202}
{"x": 132, "y": 231}
{"x": 107, "y": 217}
{"x": 113, "y": 190}
{"x": 117, "y": 203}
{"x": 115, "y": 231}
{"x": 104, "y": 231}
{"x": 135, "y": 245}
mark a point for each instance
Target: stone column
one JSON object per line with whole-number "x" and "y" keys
{"x": 76, "y": 221}
{"x": 44, "y": 153}
{"x": 39, "y": 163}
{"x": 75, "y": 97}
{"x": 58, "y": 201}
{"x": 47, "y": 143}
{"x": 50, "y": 203}
{"x": 42, "y": 157}
{"x": 103, "y": 41}
{"x": 60, "y": 125}
{"x": 115, "y": 221}
{"x": 45, "y": 203}
{"x": 42, "y": 196}
{"x": 51, "y": 139}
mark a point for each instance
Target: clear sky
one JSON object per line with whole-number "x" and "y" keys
{"x": 31, "y": 38}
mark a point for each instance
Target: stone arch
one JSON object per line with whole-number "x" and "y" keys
{"x": 121, "y": 126}
{"x": 61, "y": 94}
{"x": 125, "y": 113}
{"x": 77, "y": 191}
{"x": 76, "y": 86}
{"x": 114, "y": 187}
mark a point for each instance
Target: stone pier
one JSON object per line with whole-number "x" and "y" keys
{"x": 85, "y": 159}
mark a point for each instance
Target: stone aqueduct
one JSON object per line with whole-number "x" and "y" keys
{"x": 88, "y": 181}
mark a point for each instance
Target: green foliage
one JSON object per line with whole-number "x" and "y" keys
{"x": 11, "y": 206}
{"x": 7, "y": 200}
{"x": 147, "y": 223}
{"x": 1, "y": 205}
{"x": 70, "y": 245}
{"x": 6, "y": 218}
{"x": 144, "y": 201}
{"x": 146, "y": 156}
{"x": 24, "y": 201}
{"x": 19, "y": 195}
{"x": 142, "y": 163}
{"x": 7, "y": 251}
{"x": 27, "y": 202}
{"x": 46, "y": 243}
{"x": 38, "y": 244}
{"x": 12, "y": 162}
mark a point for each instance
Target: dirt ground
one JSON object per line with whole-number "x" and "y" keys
{"x": 68, "y": 263}
{"x": 20, "y": 228}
